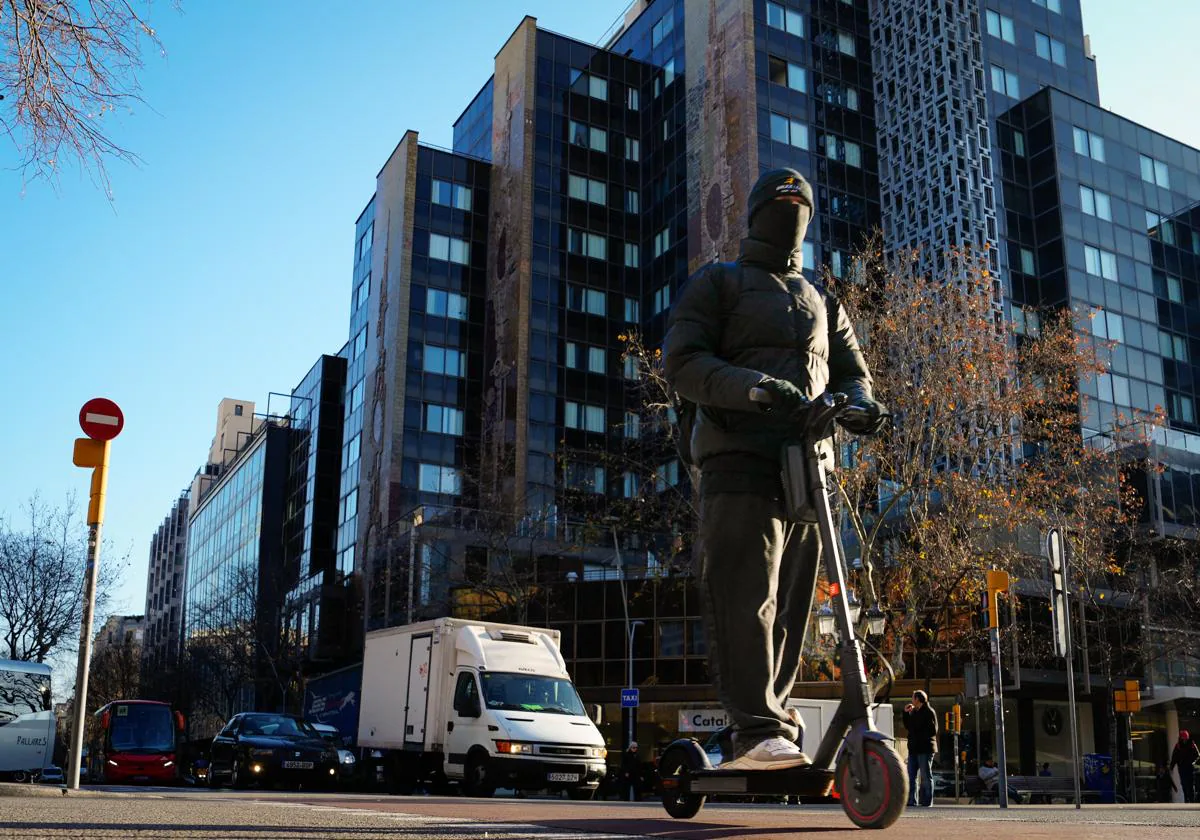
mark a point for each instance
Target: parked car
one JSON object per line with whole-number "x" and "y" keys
{"x": 52, "y": 775}
{"x": 257, "y": 748}
{"x": 347, "y": 762}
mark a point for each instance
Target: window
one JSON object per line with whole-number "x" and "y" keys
{"x": 593, "y": 86}
{"x": 594, "y": 360}
{"x": 834, "y": 94}
{"x": 1169, "y": 287}
{"x": 445, "y": 360}
{"x": 631, "y": 255}
{"x": 238, "y": 409}
{"x": 631, "y": 369}
{"x": 1173, "y": 346}
{"x": 1095, "y": 203}
{"x": 1053, "y": 5}
{"x": 807, "y": 257}
{"x": 631, "y": 98}
{"x": 363, "y": 292}
{"x": 451, "y": 195}
{"x": 785, "y": 20}
{"x": 446, "y": 304}
{"x": 443, "y": 419}
{"x": 1100, "y": 262}
{"x": 585, "y": 477}
{"x": 633, "y": 149}
{"x": 1018, "y": 144}
{"x": 786, "y": 130}
{"x": 364, "y": 241}
{"x": 632, "y": 201}
{"x": 1159, "y": 228}
{"x": 633, "y": 424}
{"x": 1025, "y": 321}
{"x": 1027, "y": 264}
{"x": 354, "y": 449}
{"x": 587, "y": 189}
{"x": 632, "y": 310}
{"x": 999, "y": 26}
{"x": 587, "y": 244}
{"x": 581, "y": 299}
{"x": 356, "y": 397}
{"x": 1089, "y": 144}
{"x": 450, "y": 249}
{"x": 590, "y": 418}
{"x": 662, "y": 299}
{"x": 1108, "y": 325}
{"x": 786, "y": 73}
{"x": 845, "y": 43}
{"x": 662, "y": 241}
{"x": 434, "y": 478}
{"x": 1180, "y": 408}
{"x": 360, "y": 343}
{"x": 1154, "y": 171}
{"x": 1113, "y": 389}
{"x": 1050, "y": 49}
{"x": 597, "y": 360}
{"x": 630, "y": 483}
{"x": 846, "y": 151}
{"x": 666, "y": 475}
{"x": 1005, "y": 82}
{"x": 662, "y": 29}
{"x": 836, "y": 263}
{"x": 582, "y": 134}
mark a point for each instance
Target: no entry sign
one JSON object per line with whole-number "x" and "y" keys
{"x": 101, "y": 419}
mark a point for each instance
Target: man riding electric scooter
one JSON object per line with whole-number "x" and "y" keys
{"x": 759, "y": 324}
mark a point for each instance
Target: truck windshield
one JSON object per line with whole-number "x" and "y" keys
{"x": 526, "y": 693}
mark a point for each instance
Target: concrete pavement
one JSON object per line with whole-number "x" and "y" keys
{"x": 186, "y": 813}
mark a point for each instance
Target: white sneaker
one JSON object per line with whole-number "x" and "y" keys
{"x": 776, "y": 753}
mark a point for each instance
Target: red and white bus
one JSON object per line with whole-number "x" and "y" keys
{"x": 134, "y": 741}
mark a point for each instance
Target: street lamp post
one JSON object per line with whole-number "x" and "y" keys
{"x": 630, "y": 627}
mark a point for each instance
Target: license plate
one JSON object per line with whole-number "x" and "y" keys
{"x": 562, "y": 777}
{"x": 297, "y": 765}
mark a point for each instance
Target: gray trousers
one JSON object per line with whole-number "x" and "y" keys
{"x": 758, "y": 573}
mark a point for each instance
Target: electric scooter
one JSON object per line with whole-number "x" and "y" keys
{"x": 853, "y": 755}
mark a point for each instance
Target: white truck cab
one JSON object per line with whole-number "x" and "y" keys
{"x": 489, "y": 705}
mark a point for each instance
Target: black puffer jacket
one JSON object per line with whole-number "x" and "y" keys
{"x": 727, "y": 334}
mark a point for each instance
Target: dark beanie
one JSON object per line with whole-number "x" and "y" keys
{"x": 776, "y": 184}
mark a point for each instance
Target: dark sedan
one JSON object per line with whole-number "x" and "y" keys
{"x": 258, "y": 748}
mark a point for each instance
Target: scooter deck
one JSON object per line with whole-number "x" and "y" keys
{"x": 795, "y": 781}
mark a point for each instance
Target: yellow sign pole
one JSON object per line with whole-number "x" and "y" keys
{"x": 93, "y": 454}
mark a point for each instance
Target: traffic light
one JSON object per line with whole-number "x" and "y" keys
{"x": 957, "y": 713}
{"x": 997, "y": 584}
{"x": 1129, "y": 699}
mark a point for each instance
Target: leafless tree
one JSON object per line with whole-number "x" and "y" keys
{"x": 43, "y": 564}
{"x": 66, "y": 67}
{"x": 115, "y": 673}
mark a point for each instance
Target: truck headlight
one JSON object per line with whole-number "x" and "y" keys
{"x": 597, "y": 752}
{"x": 513, "y": 748}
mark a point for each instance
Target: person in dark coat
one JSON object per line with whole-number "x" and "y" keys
{"x": 921, "y": 722}
{"x": 759, "y": 323}
{"x": 1184, "y": 756}
{"x": 631, "y": 773}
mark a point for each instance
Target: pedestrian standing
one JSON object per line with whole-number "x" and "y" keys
{"x": 921, "y": 722}
{"x": 1184, "y": 756}
{"x": 631, "y": 773}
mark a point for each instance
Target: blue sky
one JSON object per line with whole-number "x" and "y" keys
{"x": 222, "y": 266}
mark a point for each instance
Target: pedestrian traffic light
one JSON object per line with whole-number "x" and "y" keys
{"x": 957, "y": 714}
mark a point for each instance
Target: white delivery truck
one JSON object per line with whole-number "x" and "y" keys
{"x": 489, "y": 705}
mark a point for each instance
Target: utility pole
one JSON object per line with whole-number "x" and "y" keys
{"x": 997, "y": 582}
{"x": 1060, "y": 609}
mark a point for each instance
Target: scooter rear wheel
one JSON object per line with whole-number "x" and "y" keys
{"x": 886, "y": 793}
{"x": 681, "y": 757}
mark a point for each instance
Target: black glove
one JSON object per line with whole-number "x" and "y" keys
{"x": 869, "y": 420}
{"x": 786, "y": 399}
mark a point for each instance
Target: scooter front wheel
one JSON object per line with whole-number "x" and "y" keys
{"x": 680, "y": 758}
{"x": 880, "y": 800}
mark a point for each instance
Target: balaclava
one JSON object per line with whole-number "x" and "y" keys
{"x": 778, "y": 222}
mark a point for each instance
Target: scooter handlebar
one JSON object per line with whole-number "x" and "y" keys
{"x": 763, "y": 397}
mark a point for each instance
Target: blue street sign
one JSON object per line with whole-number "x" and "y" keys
{"x": 629, "y": 698}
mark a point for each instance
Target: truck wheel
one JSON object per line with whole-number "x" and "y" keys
{"x": 475, "y": 781}
{"x": 582, "y": 794}
{"x": 886, "y": 792}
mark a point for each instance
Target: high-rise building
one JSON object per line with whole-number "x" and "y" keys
{"x": 120, "y": 630}
{"x": 165, "y": 579}
{"x": 588, "y": 181}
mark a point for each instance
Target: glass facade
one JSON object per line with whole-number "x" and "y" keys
{"x": 473, "y": 130}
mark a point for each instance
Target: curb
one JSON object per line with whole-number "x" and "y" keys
{"x": 13, "y": 790}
